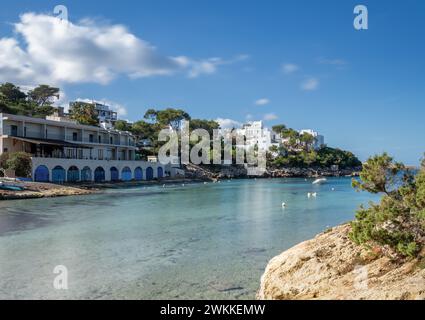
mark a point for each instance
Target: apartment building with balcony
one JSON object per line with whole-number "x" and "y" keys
{"x": 107, "y": 117}
{"x": 64, "y": 151}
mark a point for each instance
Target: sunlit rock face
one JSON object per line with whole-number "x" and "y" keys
{"x": 330, "y": 266}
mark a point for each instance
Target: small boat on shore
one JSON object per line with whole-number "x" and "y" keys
{"x": 10, "y": 187}
{"x": 319, "y": 181}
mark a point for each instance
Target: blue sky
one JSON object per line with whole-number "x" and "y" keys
{"x": 301, "y": 61}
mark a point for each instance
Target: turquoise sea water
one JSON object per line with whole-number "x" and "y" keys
{"x": 180, "y": 242}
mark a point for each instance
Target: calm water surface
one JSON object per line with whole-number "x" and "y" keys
{"x": 180, "y": 242}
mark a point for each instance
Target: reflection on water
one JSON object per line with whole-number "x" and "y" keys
{"x": 198, "y": 241}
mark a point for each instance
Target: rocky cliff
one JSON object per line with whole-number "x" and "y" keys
{"x": 216, "y": 172}
{"x": 311, "y": 172}
{"x": 330, "y": 266}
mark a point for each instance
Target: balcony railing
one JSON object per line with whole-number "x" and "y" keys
{"x": 69, "y": 138}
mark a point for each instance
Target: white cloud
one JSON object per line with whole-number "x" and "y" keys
{"x": 289, "y": 68}
{"x": 62, "y": 101}
{"x": 262, "y": 102}
{"x": 335, "y": 62}
{"x": 228, "y": 123}
{"x": 209, "y": 66}
{"x": 54, "y": 51}
{"x": 310, "y": 84}
{"x": 270, "y": 117}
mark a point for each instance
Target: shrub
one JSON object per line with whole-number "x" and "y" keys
{"x": 3, "y": 158}
{"x": 20, "y": 162}
{"x": 324, "y": 157}
{"x": 398, "y": 220}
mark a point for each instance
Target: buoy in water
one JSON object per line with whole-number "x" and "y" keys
{"x": 283, "y": 204}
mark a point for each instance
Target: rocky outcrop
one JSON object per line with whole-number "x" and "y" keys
{"x": 330, "y": 266}
{"x": 214, "y": 172}
{"x": 311, "y": 172}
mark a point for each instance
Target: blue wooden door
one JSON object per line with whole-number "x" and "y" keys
{"x": 41, "y": 174}
{"x": 86, "y": 174}
{"x": 73, "y": 174}
{"x": 58, "y": 175}
{"x": 160, "y": 172}
{"x": 99, "y": 175}
{"x": 114, "y": 174}
{"x": 126, "y": 174}
{"x": 149, "y": 173}
{"x": 138, "y": 174}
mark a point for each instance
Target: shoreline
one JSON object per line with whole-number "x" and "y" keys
{"x": 217, "y": 172}
{"x": 37, "y": 190}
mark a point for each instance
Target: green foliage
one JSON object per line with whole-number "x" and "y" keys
{"x": 122, "y": 125}
{"x": 156, "y": 120}
{"x": 3, "y": 158}
{"x": 38, "y": 102}
{"x": 9, "y": 93}
{"x": 20, "y": 162}
{"x": 279, "y": 128}
{"x": 324, "y": 158}
{"x": 208, "y": 125}
{"x": 43, "y": 95}
{"x": 168, "y": 117}
{"x": 144, "y": 130}
{"x": 84, "y": 113}
{"x": 398, "y": 220}
{"x": 379, "y": 174}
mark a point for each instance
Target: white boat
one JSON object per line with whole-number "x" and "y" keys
{"x": 320, "y": 181}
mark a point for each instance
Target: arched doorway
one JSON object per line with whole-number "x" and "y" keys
{"x": 160, "y": 172}
{"x": 86, "y": 174}
{"x": 58, "y": 174}
{"x": 149, "y": 173}
{"x": 138, "y": 174}
{"x": 41, "y": 174}
{"x": 73, "y": 174}
{"x": 114, "y": 174}
{"x": 99, "y": 174}
{"x": 126, "y": 174}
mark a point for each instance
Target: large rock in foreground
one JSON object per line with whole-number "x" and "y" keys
{"x": 330, "y": 266}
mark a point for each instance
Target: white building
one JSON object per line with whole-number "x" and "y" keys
{"x": 107, "y": 117}
{"x": 264, "y": 138}
{"x": 65, "y": 151}
{"x": 319, "y": 140}
{"x": 257, "y": 135}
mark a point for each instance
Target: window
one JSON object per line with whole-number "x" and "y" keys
{"x": 100, "y": 139}
{"x": 91, "y": 138}
{"x": 80, "y": 154}
{"x": 111, "y": 141}
{"x": 74, "y": 136}
{"x": 100, "y": 153}
{"x": 25, "y": 131}
{"x": 14, "y": 130}
{"x": 70, "y": 153}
